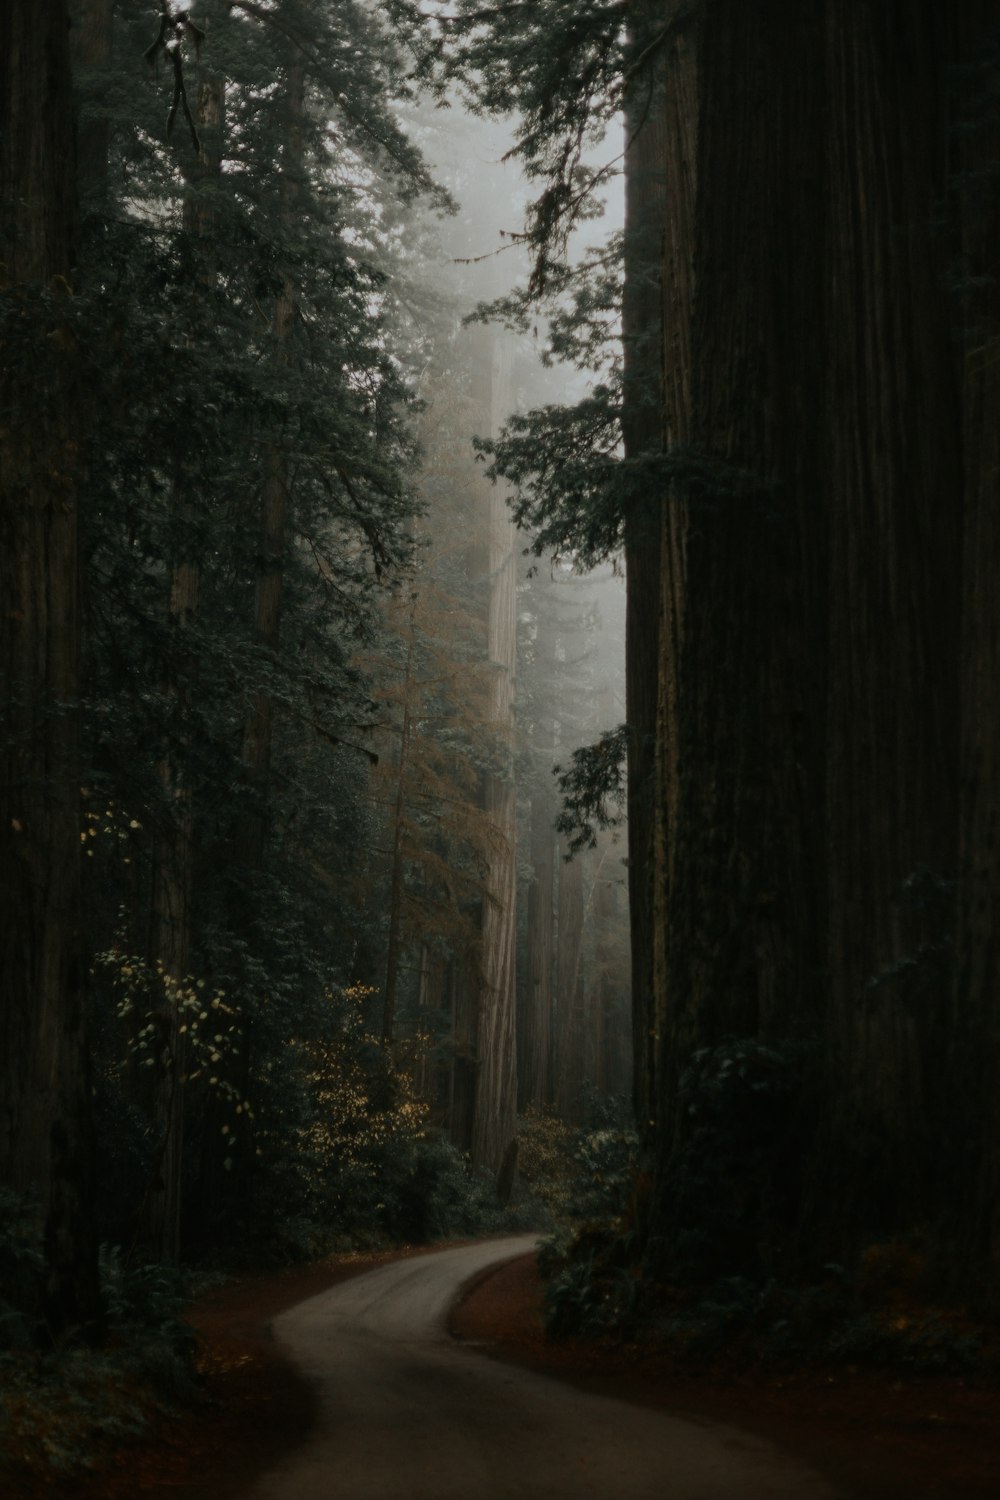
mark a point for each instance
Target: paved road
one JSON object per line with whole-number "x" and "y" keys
{"x": 409, "y": 1414}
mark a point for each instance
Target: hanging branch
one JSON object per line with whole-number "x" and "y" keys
{"x": 175, "y": 26}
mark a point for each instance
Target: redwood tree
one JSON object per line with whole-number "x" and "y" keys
{"x": 44, "y": 1093}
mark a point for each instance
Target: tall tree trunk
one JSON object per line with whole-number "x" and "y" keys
{"x": 534, "y": 1036}
{"x": 174, "y": 851}
{"x": 737, "y": 949}
{"x": 396, "y": 867}
{"x": 568, "y": 1020}
{"x": 610, "y": 1030}
{"x": 496, "y": 1047}
{"x": 972, "y": 1189}
{"x": 225, "y": 1173}
{"x": 45, "y": 1136}
{"x": 891, "y": 454}
{"x": 806, "y": 702}
{"x": 92, "y": 35}
{"x": 642, "y": 331}
{"x": 273, "y": 514}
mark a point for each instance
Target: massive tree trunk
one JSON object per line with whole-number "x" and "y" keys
{"x": 273, "y": 512}
{"x": 892, "y": 478}
{"x": 973, "y": 1196}
{"x": 92, "y": 36}
{"x": 534, "y": 1034}
{"x": 610, "y": 1032}
{"x": 45, "y": 1141}
{"x": 642, "y": 328}
{"x": 807, "y": 587}
{"x": 496, "y": 1093}
{"x": 496, "y": 1083}
{"x": 568, "y": 1023}
{"x": 174, "y": 850}
{"x": 396, "y": 868}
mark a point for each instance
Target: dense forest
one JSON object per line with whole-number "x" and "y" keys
{"x": 385, "y": 536}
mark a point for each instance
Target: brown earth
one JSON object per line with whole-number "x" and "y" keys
{"x": 879, "y": 1436}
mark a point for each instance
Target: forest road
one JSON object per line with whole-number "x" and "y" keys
{"x": 407, "y": 1413}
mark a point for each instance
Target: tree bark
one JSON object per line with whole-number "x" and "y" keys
{"x": 174, "y": 850}
{"x": 569, "y": 999}
{"x": 891, "y": 455}
{"x": 535, "y": 1083}
{"x": 972, "y": 1186}
{"x": 496, "y": 1047}
{"x": 273, "y": 514}
{"x": 396, "y": 868}
{"x": 642, "y": 332}
{"x": 45, "y": 1134}
{"x": 807, "y": 585}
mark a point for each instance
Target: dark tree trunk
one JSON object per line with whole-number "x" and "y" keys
{"x": 568, "y": 1020}
{"x": 535, "y": 1013}
{"x": 92, "y": 36}
{"x": 45, "y": 1136}
{"x": 893, "y": 476}
{"x": 642, "y": 327}
{"x": 273, "y": 515}
{"x": 610, "y": 1033}
{"x": 496, "y": 1088}
{"x": 973, "y": 1177}
{"x": 806, "y": 745}
{"x": 174, "y": 850}
{"x": 394, "y": 945}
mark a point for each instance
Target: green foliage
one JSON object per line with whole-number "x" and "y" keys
{"x": 593, "y": 1286}
{"x": 585, "y": 1178}
{"x": 605, "y": 1161}
{"x": 837, "y": 1317}
{"x": 431, "y": 1192}
{"x": 143, "y": 1303}
{"x": 545, "y": 1165}
{"x": 578, "y": 1173}
{"x": 21, "y": 1268}
{"x": 593, "y": 789}
{"x": 575, "y": 491}
{"x": 194, "y": 398}
{"x": 565, "y": 467}
{"x": 560, "y": 68}
{"x": 63, "y": 1410}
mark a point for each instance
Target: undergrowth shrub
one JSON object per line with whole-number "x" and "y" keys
{"x": 545, "y": 1161}
{"x": 834, "y": 1318}
{"x": 63, "y": 1407}
{"x": 586, "y": 1176}
{"x": 20, "y": 1273}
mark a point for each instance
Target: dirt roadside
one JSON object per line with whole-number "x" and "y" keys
{"x": 880, "y": 1437}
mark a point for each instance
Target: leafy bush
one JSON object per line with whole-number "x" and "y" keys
{"x": 62, "y": 1408}
{"x": 20, "y": 1272}
{"x": 873, "y": 1317}
{"x": 430, "y": 1192}
{"x": 579, "y": 1173}
{"x": 593, "y": 1282}
{"x": 587, "y": 1178}
{"x": 545, "y": 1160}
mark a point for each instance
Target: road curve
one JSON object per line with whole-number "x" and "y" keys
{"x": 406, "y": 1413}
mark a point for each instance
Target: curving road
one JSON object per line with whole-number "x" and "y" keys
{"x": 406, "y": 1413}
